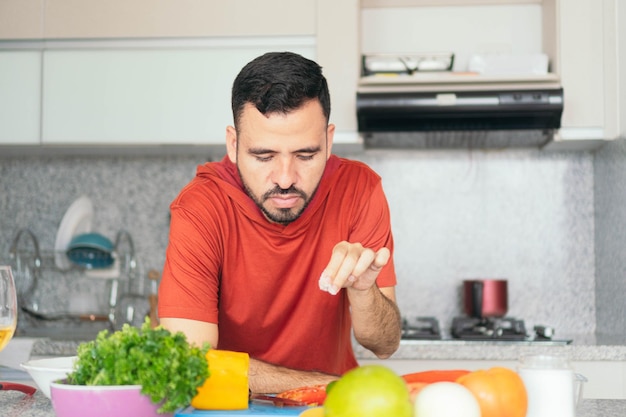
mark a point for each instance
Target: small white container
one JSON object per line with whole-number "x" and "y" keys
{"x": 552, "y": 386}
{"x": 45, "y": 371}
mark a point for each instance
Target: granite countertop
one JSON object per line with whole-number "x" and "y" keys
{"x": 49, "y": 347}
{"x": 16, "y": 404}
{"x": 583, "y": 348}
{"x": 431, "y": 350}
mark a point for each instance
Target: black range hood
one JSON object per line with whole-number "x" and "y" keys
{"x": 504, "y": 118}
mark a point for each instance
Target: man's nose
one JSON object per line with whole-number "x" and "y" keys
{"x": 285, "y": 173}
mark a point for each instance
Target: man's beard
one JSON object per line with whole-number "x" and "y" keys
{"x": 282, "y": 216}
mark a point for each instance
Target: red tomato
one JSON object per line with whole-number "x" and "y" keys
{"x": 311, "y": 395}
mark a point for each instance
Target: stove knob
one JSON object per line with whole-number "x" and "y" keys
{"x": 544, "y": 332}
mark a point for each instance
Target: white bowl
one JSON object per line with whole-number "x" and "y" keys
{"x": 44, "y": 371}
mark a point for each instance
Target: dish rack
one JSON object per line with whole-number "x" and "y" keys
{"x": 35, "y": 269}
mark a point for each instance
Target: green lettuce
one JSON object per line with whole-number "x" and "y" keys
{"x": 167, "y": 367}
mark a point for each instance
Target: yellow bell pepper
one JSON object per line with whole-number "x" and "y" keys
{"x": 227, "y": 386}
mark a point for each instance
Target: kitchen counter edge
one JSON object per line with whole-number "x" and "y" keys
{"x": 584, "y": 348}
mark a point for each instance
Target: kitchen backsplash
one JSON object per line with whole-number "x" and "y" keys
{"x": 524, "y": 215}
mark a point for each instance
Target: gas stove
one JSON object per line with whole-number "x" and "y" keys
{"x": 421, "y": 328}
{"x": 464, "y": 328}
{"x": 472, "y": 328}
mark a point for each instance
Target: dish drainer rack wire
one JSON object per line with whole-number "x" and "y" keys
{"x": 29, "y": 263}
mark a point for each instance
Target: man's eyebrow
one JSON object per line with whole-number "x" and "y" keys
{"x": 263, "y": 151}
{"x": 310, "y": 149}
{"x": 260, "y": 151}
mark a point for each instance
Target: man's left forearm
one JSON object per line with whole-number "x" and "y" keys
{"x": 267, "y": 378}
{"x": 376, "y": 319}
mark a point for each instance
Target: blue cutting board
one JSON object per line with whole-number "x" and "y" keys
{"x": 253, "y": 410}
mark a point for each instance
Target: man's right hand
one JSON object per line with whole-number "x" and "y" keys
{"x": 352, "y": 265}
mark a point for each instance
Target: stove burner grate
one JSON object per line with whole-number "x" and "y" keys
{"x": 473, "y": 328}
{"x": 422, "y": 328}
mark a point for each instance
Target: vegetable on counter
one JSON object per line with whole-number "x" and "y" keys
{"x": 315, "y": 395}
{"x": 500, "y": 392}
{"x": 374, "y": 390}
{"x": 446, "y": 399}
{"x": 310, "y": 395}
{"x": 435, "y": 376}
{"x": 416, "y": 381}
{"x": 227, "y": 388}
{"x": 168, "y": 369}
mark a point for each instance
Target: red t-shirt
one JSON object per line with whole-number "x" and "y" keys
{"x": 227, "y": 264}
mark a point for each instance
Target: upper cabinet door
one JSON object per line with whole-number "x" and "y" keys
{"x": 142, "y": 96}
{"x": 21, "y": 19}
{"x": 20, "y": 89}
{"x": 583, "y": 64}
{"x": 88, "y": 19}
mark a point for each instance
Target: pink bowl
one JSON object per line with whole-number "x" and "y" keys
{"x": 101, "y": 401}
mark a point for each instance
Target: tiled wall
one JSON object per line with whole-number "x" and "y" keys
{"x": 524, "y": 215}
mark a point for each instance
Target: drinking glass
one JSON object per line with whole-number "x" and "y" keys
{"x": 8, "y": 306}
{"x": 8, "y": 321}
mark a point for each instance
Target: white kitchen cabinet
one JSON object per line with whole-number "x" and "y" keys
{"x": 21, "y": 19}
{"x": 145, "y": 94}
{"x": 337, "y": 46}
{"x": 96, "y": 19}
{"x": 80, "y": 19}
{"x": 586, "y": 57}
{"x": 605, "y": 379}
{"x": 20, "y": 89}
{"x": 111, "y": 77}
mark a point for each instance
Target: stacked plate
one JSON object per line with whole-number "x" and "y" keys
{"x": 76, "y": 221}
{"x": 76, "y": 244}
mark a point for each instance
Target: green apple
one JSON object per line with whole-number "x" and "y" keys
{"x": 369, "y": 391}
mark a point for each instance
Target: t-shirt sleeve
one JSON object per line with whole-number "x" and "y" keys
{"x": 190, "y": 283}
{"x": 372, "y": 228}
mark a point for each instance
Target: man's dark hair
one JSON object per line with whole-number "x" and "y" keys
{"x": 279, "y": 82}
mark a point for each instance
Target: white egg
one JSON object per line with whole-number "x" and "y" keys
{"x": 446, "y": 399}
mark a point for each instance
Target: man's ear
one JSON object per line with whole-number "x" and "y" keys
{"x": 231, "y": 143}
{"x": 330, "y": 136}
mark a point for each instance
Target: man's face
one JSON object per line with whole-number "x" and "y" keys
{"x": 281, "y": 157}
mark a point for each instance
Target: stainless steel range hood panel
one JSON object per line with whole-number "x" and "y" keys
{"x": 452, "y": 119}
{"x": 449, "y": 139}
